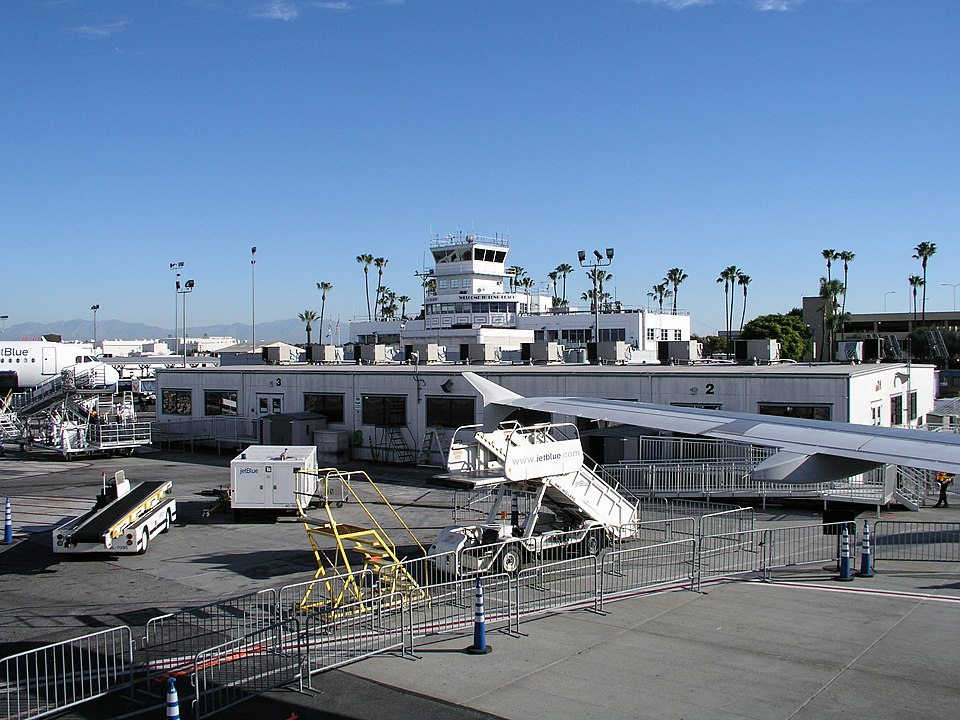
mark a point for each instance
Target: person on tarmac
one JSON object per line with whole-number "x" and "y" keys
{"x": 944, "y": 479}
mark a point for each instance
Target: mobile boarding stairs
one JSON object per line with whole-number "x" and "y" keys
{"x": 546, "y": 459}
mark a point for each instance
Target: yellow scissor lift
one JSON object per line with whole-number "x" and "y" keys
{"x": 372, "y": 543}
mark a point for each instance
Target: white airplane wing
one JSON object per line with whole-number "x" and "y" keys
{"x": 809, "y": 450}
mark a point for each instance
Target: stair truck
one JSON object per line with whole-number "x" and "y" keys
{"x": 123, "y": 520}
{"x": 569, "y": 509}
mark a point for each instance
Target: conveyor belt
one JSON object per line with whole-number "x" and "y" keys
{"x": 92, "y": 526}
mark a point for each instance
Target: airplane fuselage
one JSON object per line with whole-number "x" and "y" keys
{"x": 24, "y": 364}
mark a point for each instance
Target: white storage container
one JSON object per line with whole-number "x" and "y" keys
{"x": 266, "y": 477}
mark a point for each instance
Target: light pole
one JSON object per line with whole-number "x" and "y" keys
{"x": 954, "y": 286}
{"x": 888, "y": 292}
{"x": 3, "y": 320}
{"x": 176, "y": 334}
{"x": 185, "y": 290}
{"x": 599, "y": 262}
{"x": 94, "y": 308}
{"x": 253, "y": 298}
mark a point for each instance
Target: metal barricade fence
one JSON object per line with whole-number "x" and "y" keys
{"x": 654, "y": 532}
{"x": 475, "y": 505}
{"x": 726, "y": 554}
{"x": 804, "y": 544}
{"x": 323, "y": 595}
{"x": 171, "y": 641}
{"x": 357, "y": 630}
{"x": 450, "y": 606}
{"x": 564, "y": 584}
{"x": 909, "y": 540}
{"x": 47, "y": 680}
{"x": 626, "y": 572}
{"x": 239, "y": 669}
{"x": 727, "y": 521}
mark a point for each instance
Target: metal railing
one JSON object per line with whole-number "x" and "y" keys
{"x": 38, "y": 683}
{"x": 916, "y": 541}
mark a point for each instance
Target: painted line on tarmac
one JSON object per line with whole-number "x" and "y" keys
{"x": 901, "y": 594}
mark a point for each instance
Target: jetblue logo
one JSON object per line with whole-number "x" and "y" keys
{"x": 13, "y": 352}
{"x": 244, "y": 471}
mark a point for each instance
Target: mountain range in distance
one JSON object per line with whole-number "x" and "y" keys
{"x": 291, "y": 331}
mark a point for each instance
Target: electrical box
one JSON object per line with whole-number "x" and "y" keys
{"x": 267, "y": 477}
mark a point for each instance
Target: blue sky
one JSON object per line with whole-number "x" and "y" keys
{"x": 688, "y": 133}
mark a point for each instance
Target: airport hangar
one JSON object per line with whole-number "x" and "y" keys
{"x": 407, "y": 413}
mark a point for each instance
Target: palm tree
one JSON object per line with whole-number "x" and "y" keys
{"x": 728, "y": 276}
{"x": 365, "y": 260}
{"x": 829, "y": 255}
{"x": 308, "y": 316}
{"x": 526, "y": 283}
{"x": 554, "y": 276}
{"x": 915, "y": 282}
{"x": 564, "y": 269}
{"x": 324, "y": 288}
{"x": 847, "y": 258}
{"x": 599, "y": 276}
{"x": 380, "y": 263}
{"x": 660, "y": 293}
{"x": 515, "y": 272}
{"x": 923, "y": 253}
{"x": 403, "y": 300}
{"x": 829, "y": 291}
{"x": 743, "y": 281}
{"x": 675, "y": 276}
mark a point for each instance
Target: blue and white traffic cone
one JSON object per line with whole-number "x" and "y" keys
{"x": 845, "y": 575}
{"x": 515, "y": 512}
{"x": 865, "y": 565}
{"x": 479, "y": 646}
{"x": 173, "y": 702}
{"x": 8, "y": 525}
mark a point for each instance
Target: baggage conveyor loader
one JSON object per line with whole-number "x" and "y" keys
{"x": 366, "y": 562}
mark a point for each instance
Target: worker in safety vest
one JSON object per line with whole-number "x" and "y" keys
{"x": 944, "y": 479}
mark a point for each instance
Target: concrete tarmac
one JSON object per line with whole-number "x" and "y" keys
{"x": 804, "y": 646}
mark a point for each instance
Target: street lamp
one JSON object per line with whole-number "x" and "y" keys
{"x": 185, "y": 290}
{"x": 599, "y": 262}
{"x": 888, "y": 292}
{"x": 176, "y": 334}
{"x": 954, "y": 286}
{"x": 253, "y": 298}
{"x": 3, "y": 319}
{"x": 94, "y": 308}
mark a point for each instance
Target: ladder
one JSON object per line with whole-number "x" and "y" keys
{"x": 435, "y": 440}
{"x": 377, "y": 551}
{"x": 10, "y": 428}
{"x": 397, "y": 443}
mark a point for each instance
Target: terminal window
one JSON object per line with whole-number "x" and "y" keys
{"x": 450, "y": 412}
{"x": 176, "y": 402}
{"x": 220, "y": 402}
{"x": 330, "y": 406}
{"x": 805, "y": 412}
{"x": 385, "y": 410}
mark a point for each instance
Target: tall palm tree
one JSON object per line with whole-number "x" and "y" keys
{"x": 660, "y": 293}
{"x": 554, "y": 276}
{"x": 308, "y": 316}
{"x": 515, "y": 272}
{"x": 527, "y": 283}
{"x": 728, "y": 276}
{"x": 829, "y": 255}
{"x": 365, "y": 260}
{"x": 829, "y": 291}
{"x": 564, "y": 270}
{"x": 743, "y": 280}
{"x": 675, "y": 276}
{"x": 924, "y": 251}
{"x": 599, "y": 276}
{"x": 847, "y": 258}
{"x": 916, "y": 282}
{"x": 380, "y": 264}
{"x": 403, "y": 300}
{"x": 324, "y": 288}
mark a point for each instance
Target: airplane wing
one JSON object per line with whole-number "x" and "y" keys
{"x": 809, "y": 450}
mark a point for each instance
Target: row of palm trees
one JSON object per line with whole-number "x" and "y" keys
{"x": 731, "y": 276}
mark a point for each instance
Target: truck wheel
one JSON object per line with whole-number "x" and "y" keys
{"x": 592, "y": 544}
{"x": 166, "y": 525}
{"x": 510, "y": 561}
{"x": 146, "y": 542}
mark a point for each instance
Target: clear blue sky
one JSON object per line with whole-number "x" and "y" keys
{"x": 688, "y": 133}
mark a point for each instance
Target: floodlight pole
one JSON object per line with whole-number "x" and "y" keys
{"x": 599, "y": 262}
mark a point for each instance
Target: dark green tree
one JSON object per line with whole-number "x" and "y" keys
{"x": 790, "y": 330}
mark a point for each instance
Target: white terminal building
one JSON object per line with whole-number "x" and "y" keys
{"x": 399, "y": 406}
{"x": 471, "y": 312}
